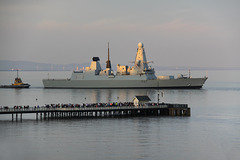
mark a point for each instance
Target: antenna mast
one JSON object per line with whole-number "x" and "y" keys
{"x": 108, "y": 51}
{"x": 17, "y": 73}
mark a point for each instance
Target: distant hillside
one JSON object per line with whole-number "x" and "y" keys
{"x": 33, "y": 66}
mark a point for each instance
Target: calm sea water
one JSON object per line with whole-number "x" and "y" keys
{"x": 212, "y": 131}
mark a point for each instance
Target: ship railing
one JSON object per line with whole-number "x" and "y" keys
{"x": 177, "y": 105}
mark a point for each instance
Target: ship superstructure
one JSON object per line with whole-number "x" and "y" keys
{"x": 140, "y": 75}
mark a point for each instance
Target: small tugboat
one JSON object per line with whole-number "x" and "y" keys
{"x": 17, "y": 83}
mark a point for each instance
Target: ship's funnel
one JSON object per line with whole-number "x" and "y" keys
{"x": 108, "y": 62}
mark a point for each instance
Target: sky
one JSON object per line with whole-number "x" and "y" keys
{"x": 191, "y": 33}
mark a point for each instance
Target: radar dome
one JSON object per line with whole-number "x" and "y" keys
{"x": 140, "y": 45}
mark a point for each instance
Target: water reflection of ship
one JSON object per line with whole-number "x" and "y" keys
{"x": 115, "y": 95}
{"x": 100, "y": 95}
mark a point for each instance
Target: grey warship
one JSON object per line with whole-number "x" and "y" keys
{"x": 139, "y": 76}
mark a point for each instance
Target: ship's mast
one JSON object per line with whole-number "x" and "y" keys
{"x": 108, "y": 62}
{"x": 141, "y": 60}
{"x": 17, "y": 73}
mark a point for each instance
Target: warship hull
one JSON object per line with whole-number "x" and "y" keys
{"x": 188, "y": 83}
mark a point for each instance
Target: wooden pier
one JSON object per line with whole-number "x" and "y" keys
{"x": 115, "y": 111}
